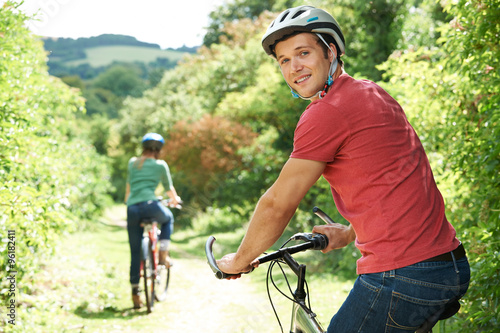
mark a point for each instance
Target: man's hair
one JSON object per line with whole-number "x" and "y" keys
{"x": 328, "y": 38}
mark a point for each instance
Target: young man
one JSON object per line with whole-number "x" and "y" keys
{"x": 357, "y": 136}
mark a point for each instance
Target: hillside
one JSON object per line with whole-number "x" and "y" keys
{"x": 69, "y": 56}
{"x": 105, "y": 55}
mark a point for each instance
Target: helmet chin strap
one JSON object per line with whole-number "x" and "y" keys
{"x": 329, "y": 80}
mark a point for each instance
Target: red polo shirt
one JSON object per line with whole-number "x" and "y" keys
{"x": 379, "y": 174}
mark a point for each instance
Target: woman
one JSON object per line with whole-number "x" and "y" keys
{"x": 144, "y": 175}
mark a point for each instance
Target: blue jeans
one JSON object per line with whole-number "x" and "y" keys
{"x": 401, "y": 300}
{"x": 135, "y": 213}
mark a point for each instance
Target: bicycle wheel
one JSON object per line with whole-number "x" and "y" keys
{"x": 149, "y": 277}
{"x": 162, "y": 281}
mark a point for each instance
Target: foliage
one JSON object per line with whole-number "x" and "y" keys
{"x": 372, "y": 31}
{"x": 122, "y": 81}
{"x": 460, "y": 120}
{"x": 261, "y": 164}
{"x": 205, "y": 151}
{"x": 221, "y": 219}
{"x": 50, "y": 175}
{"x": 105, "y": 93}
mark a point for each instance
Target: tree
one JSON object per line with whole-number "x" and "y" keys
{"x": 122, "y": 81}
{"x": 205, "y": 152}
{"x": 235, "y": 11}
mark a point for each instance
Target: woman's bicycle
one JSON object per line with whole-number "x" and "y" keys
{"x": 303, "y": 319}
{"x": 155, "y": 276}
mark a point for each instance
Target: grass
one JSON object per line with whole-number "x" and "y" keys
{"x": 105, "y": 55}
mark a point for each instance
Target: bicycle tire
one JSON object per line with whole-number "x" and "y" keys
{"x": 162, "y": 281}
{"x": 148, "y": 277}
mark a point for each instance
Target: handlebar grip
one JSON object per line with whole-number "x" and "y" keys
{"x": 211, "y": 260}
{"x": 317, "y": 241}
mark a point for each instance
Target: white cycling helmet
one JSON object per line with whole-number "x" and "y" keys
{"x": 302, "y": 19}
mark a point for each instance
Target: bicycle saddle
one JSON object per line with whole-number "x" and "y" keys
{"x": 449, "y": 310}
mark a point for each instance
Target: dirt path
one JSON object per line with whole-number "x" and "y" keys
{"x": 198, "y": 302}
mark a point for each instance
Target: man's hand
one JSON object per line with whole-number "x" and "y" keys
{"x": 339, "y": 235}
{"x": 228, "y": 265}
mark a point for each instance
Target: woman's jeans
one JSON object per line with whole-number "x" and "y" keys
{"x": 401, "y": 300}
{"x": 135, "y": 213}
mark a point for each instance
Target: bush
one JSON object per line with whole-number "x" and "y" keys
{"x": 225, "y": 219}
{"x": 50, "y": 176}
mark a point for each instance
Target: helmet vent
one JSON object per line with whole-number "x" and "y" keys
{"x": 297, "y": 14}
{"x": 284, "y": 16}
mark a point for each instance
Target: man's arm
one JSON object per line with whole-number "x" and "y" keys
{"x": 273, "y": 212}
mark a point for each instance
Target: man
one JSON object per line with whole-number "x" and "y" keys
{"x": 357, "y": 136}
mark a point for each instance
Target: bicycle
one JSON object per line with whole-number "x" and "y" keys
{"x": 303, "y": 319}
{"x": 156, "y": 277}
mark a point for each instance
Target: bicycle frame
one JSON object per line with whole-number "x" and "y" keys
{"x": 304, "y": 321}
{"x": 150, "y": 236}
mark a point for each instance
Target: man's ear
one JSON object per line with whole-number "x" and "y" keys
{"x": 331, "y": 56}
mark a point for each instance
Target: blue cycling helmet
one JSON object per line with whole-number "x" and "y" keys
{"x": 152, "y": 141}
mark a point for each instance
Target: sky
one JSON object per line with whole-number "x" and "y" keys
{"x": 168, "y": 23}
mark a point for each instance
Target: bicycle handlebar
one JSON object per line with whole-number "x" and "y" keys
{"x": 168, "y": 203}
{"x": 211, "y": 260}
{"x": 311, "y": 242}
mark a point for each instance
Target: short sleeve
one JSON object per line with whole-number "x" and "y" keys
{"x": 320, "y": 133}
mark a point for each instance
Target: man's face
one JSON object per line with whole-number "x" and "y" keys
{"x": 303, "y": 64}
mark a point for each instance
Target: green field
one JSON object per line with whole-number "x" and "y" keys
{"x": 105, "y": 55}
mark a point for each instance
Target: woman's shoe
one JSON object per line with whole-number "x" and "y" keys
{"x": 164, "y": 259}
{"x": 136, "y": 298}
